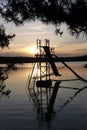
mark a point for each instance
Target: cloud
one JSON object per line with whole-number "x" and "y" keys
{"x": 83, "y": 49}
{"x": 18, "y": 45}
{"x": 14, "y": 54}
{"x": 32, "y": 33}
{"x": 39, "y": 27}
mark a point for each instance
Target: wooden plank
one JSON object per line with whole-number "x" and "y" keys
{"x": 44, "y": 83}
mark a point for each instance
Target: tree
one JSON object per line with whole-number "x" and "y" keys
{"x": 4, "y": 39}
{"x": 71, "y": 12}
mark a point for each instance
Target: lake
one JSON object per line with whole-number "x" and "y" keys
{"x": 21, "y": 109}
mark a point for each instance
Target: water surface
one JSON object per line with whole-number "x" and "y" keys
{"x": 18, "y": 111}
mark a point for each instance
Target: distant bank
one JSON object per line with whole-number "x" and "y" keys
{"x": 6, "y": 60}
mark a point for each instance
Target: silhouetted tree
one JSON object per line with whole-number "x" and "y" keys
{"x": 4, "y": 39}
{"x": 71, "y": 12}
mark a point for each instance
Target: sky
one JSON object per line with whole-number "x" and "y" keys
{"x": 24, "y": 43}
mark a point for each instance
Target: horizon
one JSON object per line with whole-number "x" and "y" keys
{"x": 27, "y": 34}
{"x": 22, "y": 56}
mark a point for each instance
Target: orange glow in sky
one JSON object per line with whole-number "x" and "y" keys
{"x": 32, "y": 50}
{"x": 26, "y": 35}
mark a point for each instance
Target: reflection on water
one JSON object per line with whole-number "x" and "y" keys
{"x": 4, "y": 76}
{"x": 43, "y": 100}
{"x": 62, "y": 106}
{"x": 78, "y": 91}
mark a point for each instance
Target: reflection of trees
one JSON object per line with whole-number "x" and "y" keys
{"x": 4, "y": 71}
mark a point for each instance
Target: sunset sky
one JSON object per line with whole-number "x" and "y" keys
{"x": 27, "y": 34}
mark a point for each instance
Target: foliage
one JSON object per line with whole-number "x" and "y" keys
{"x": 71, "y": 12}
{"x": 4, "y": 39}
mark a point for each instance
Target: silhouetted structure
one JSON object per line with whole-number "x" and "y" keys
{"x": 41, "y": 87}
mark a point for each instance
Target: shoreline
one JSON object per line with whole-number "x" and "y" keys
{"x": 14, "y": 60}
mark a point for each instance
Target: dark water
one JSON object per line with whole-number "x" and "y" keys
{"x": 19, "y": 112}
